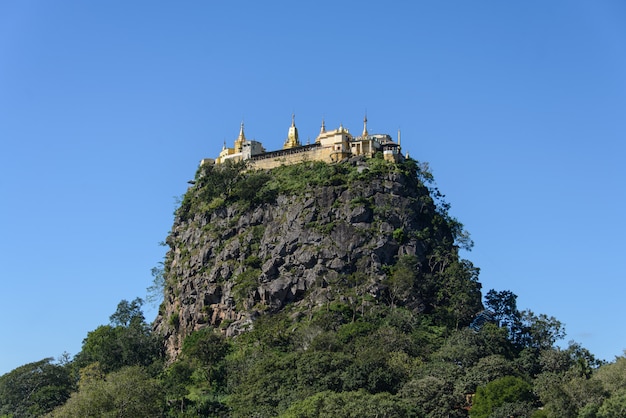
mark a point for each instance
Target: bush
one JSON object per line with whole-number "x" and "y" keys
{"x": 501, "y": 393}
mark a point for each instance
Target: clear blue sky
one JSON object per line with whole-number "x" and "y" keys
{"x": 106, "y": 109}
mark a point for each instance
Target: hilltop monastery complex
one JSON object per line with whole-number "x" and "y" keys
{"x": 329, "y": 146}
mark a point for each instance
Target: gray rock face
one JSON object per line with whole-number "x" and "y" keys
{"x": 228, "y": 266}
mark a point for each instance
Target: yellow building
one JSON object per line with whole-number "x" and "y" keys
{"x": 330, "y": 146}
{"x": 244, "y": 149}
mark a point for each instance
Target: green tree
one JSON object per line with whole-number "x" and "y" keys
{"x": 611, "y": 381}
{"x": 155, "y": 290}
{"x": 484, "y": 371}
{"x": 35, "y": 388}
{"x": 466, "y": 347}
{"x": 564, "y": 386}
{"x": 129, "y": 392}
{"x": 127, "y": 341}
{"x": 358, "y": 404}
{"x": 433, "y": 388}
{"x": 198, "y": 377}
{"x": 507, "y": 392}
{"x": 262, "y": 383}
{"x": 458, "y": 294}
{"x": 514, "y": 409}
{"x": 612, "y": 375}
{"x": 615, "y": 406}
{"x": 400, "y": 282}
{"x": 176, "y": 380}
{"x": 206, "y": 346}
{"x": 539, "y": 331}
{"x": 504, "y": 306}
{"x": 318, "y": 371}
{"x": 551, "y": 389}
{"x": 127, "y": 312}
{"x": 434, "y": 395}
{"x": 526, "y": 329}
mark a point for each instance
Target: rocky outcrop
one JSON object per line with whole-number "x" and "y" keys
{"x": 228, "y": 265}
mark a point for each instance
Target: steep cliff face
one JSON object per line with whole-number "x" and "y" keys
{"x": 246, "y": 244}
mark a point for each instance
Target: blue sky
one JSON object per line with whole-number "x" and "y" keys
{"x": 106, "y": 109}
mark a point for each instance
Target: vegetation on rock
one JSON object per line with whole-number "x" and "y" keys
{"x": 364, "y": 232}
{"x": 318, "y": 290}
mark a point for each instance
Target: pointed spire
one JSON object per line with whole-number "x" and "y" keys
{"x": 322, "y": 132}
{"x": 365, "y": 133}
{"x": 292, "y": 136}
{"x": 240, "y": 140}
{"x": 241, "y": 136}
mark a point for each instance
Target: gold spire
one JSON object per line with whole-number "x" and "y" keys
{"x": 365, "y": 134}
{"x": 241, "y": 134}
{"x": 292, "y": 137}
{"x": 240, "y": 140}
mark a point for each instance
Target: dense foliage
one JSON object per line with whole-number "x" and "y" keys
{"x": 388, "y": 362}
{"x": 355, "y": 356}
{"x": 33, "y": 389}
